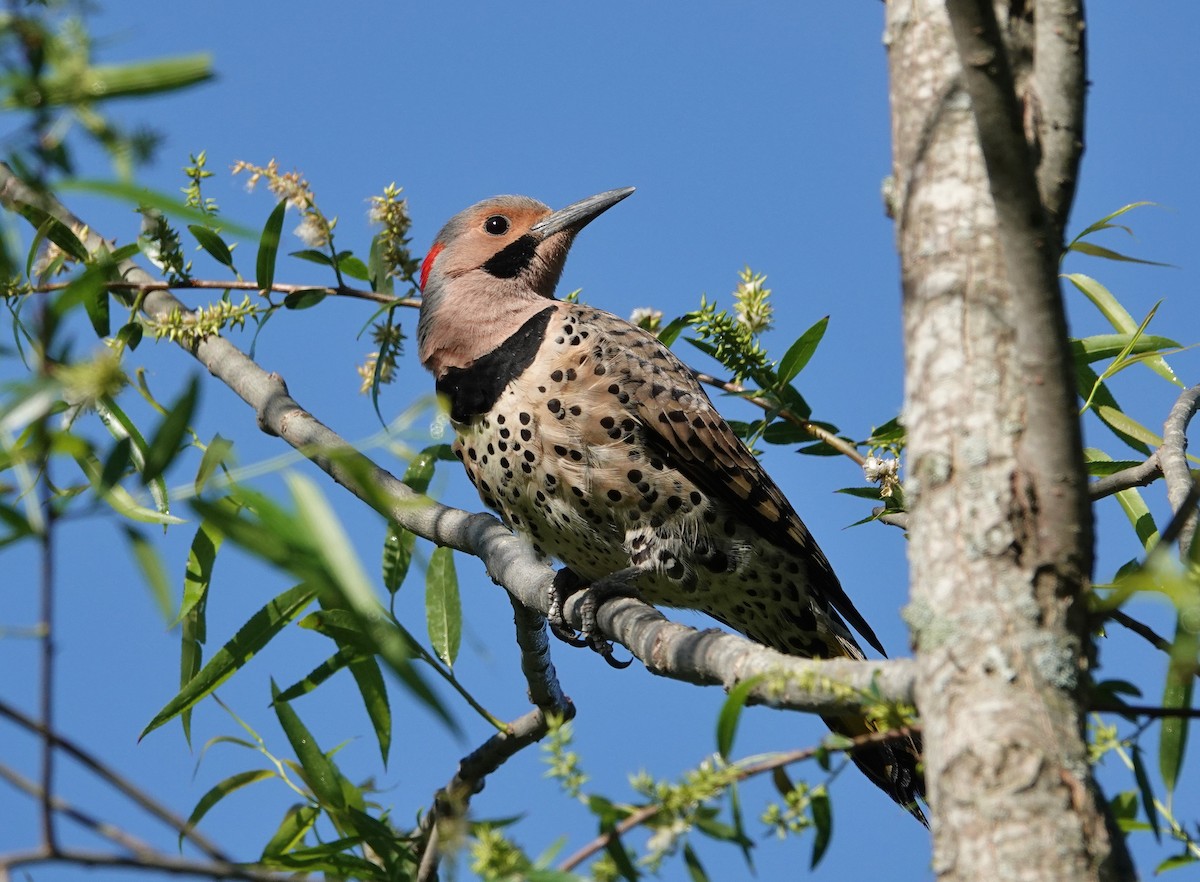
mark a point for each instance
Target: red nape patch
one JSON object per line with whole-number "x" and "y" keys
{"x": 427, "y": 264}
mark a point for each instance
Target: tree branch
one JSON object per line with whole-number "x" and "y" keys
{"x": 116, "y": 781}
{"x": 1172, "y": 457}
{"x": 667, "y": 649}
{"x": 1060, "y": 92}
{"x": 156, "y": 862}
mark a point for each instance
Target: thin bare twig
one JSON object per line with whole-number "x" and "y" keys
{"x": 243, "y": 285}
{"x": 116, "y": 781}
{"x": 60, "y": 805}
{"x": 812, "y": 428}
{"x": 1172, "y": 456}
{"x": 1142, "y": 475}
{"x": 156, "y": 862}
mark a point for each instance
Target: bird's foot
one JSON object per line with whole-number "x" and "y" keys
{"x": 565, "y": 584}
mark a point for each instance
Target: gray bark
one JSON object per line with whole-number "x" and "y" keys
{"x": 1000, "y": 550}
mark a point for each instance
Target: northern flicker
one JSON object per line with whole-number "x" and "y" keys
{"x": 596, "y": 443}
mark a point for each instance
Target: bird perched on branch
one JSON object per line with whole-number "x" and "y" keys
{"x": 597, "y": 444}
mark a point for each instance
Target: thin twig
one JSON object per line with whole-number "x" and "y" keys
{"x": 60, "y": 805}
{"x": 142, "y": 799}
{"x": 243, "y": 285}
{"x": 1154, "y": 712}
{"x": 156, "y": 862}
{"x": 450, "y": 803}
{"x": 778, "y": 761}
{"x": 1142, "y": 475}
{"x": 1173, "y": 458}
{"x": 812, "y": 428}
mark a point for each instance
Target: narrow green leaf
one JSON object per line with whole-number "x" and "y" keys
{"x": 116, "y": 464}
{"x": 215, "y": 454}
{"x": 801, "y": 351}
{"x": 695, "y": 869}
{"x": 380, "y": 280}
{"x": 130, "y": 335}
{"x": 669, "y": 334}
{"x": 210, "y": 240}
{"x": 783, "y": 432}
{"x": 398, "y": 547}
{"x": 139, "y": 196}
{"x": 242, "y": 647}
{"x": 1093, "y": 250}
{"x": 374, "y": 695}
{"x": 355, "y": 591}
{"x": 443, "y": 608}
{"x": 202, "y": 557}
{"x": 55, "y": 230}
{"x": 319, "y": 770}
{"x": 731, "y": 713}
{"x": 318, "y": 675}
{"x": 1147, "y": 794}
{"x": 193, "y": 627}
{"x": 305, "y": 298}
{"x": 1128, "y": 426}
{"x": 1175, "y": 862}
{"x": 268, "y": 248}
{"x": 1117, "y": 316}
{"x": 153, "y": 571}
{"x": 1177, "y": 693}
{"x": 1101, "y": 346}
{"x": 312, "y": 256}
{"x": 1103, "y": 223}
{"x": 1139, "y": 515}
{"x": 220, "y": 791}
{"x": 291, "y": 830}
{"x": 822, "y": 815}
{"x": 96, "y": 305}
{"x": 165, "y": 445}
{"x": 354, "y": 268}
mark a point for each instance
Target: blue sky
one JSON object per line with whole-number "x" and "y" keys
{"x": 756, "y": 134}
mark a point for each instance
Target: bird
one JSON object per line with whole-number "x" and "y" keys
{"x": 599, "y": 446}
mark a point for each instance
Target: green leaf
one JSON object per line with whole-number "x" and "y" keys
{"x": 320, "y": 771}
{"x": 292, "y": 830}
{"x": 153, "y": 571}
{"x": 822, "y": 815}
{"x": 694, "y": 867}
{"x": 1174, "y": 863}
{"x": 1101, "y": 346}
{"x": 801, "y": 351}
{"x": 1128, "y": 426}
{"x": 668, "y": 335}
{"x": 1143, "y": 783}
{"x": 353, "y": 267}
{"x": 398, "y": 548}
{"x": 1177, "y": 693}
{"x": 210, "y": 240}
{"x": 243, "y": 646}
{"x": 318, "y": 675}
{"x": 443, "y": 608}
{"x": 215, "y": 454}
{"x": 731, "y": 713}
{"x": 95, "y": 303}
{"x": 219, "y": 792}
{"x": 1117, "y": 316}
{"x": 347, "y": 578}
{"x": 783, "y": 432}
{"x": 374, "y": 695}
{"x": 268, "y": 248}
{"x": 130, "y": 335}
{"x": 305, "y": 298}
{"x": 1093, "y": 250}
{"x": 380, "y": 280}
{"x": 139, "y": 196}
{"x": 165, "y": 445}
{"x": 312, "y": 256}
{"x": 55, "y": 230}
{"x": 1139, "y": 515}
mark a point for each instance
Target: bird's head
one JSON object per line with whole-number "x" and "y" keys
{"x": 491, "y": 268}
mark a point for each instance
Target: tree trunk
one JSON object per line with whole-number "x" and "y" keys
{"x": 1000, "y": 529}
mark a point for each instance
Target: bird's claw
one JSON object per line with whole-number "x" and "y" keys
{"x": 565, "y": 584}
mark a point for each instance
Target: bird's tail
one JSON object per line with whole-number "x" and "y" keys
{"x": 893, "y": 766}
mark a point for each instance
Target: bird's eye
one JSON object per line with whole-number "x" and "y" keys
{"x": 497, "y": 225}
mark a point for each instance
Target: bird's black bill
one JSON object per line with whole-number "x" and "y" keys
{"x": 577, "y": 215}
